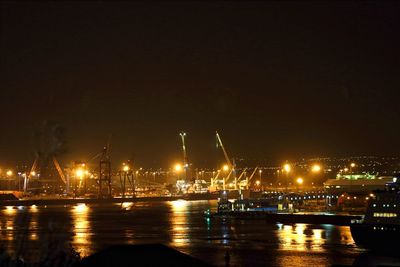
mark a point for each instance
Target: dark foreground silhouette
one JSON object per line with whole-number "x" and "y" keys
{"x": 140, "y": 255}
{"x": 120, "y": 255}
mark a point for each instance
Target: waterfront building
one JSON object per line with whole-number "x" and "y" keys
{"x": 363, "y": 183}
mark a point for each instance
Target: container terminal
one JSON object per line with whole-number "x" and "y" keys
{"x": 292, "y": 186}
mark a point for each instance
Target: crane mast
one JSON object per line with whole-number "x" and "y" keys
{"x": 185, "y": 160}
{"x": 182, "y": 134}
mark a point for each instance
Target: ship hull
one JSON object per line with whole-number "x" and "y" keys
{"x": 376, "y": 236}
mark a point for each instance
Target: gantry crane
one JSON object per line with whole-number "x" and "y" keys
{"x": 104, "y": 178}
{"x": 237, "y": 181}
{"x": 34, "y": 169}
{"x": 214, "y": 179}
{"x": 248, "y": 180}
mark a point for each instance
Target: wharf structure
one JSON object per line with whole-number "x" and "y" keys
{"x": 356, "y": 183}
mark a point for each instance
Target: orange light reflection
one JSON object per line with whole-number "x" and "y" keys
{"x": 81, "y": 228}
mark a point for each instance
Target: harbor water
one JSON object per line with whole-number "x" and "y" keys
{"x": 27, "y": 230}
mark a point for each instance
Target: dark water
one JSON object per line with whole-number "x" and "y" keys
{"x": 179, "y": 224}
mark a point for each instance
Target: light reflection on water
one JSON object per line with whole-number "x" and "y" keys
{"x": 301, "y": 237}
{"x": 179, "y": 224}
{"x": 7, "y": 223}
{"x": 295, "y": 237}
{"x": 81, "y": 229}
{"x": 10, "y": 210}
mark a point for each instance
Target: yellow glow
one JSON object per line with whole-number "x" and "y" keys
{"x": 346, "y": 169}
{"x": 300, "y": 180}
{"x": 33, "y": 237}
{"x": 79, "y": 173}
{"x": 127, "y": 205}
{"x": 10, "y": 210}
{"x": 225, "y": 168}
{"x": 34, "y": 208}
{"x": 316, "y": 168}
{"x": 179, "y": 205}
{"x": 287, "y": 168}
{"x": 9, "y": 173}
{"x": 125, "y": 168}
{"x": 179, "y": 223}
{"x": 352, "y": 165}
{"x": 317, "y": 237}
{"x": 81, "y": 228}
{"x": 297, "y": 238}
{"x": 33, "y": 227}
{"x": 81, "y": 208}
{"x": 258, "y": 183}
{"x": 178, "y": 167}
{"x": 33, "y": 173}
{"x": 345, "y": 235}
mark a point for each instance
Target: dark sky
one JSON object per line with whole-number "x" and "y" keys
{"x": 278, "y": 80}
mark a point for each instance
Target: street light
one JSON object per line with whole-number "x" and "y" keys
{"x": 79, "y": 173}
{"x": 316, "y": 168}
{"x": 225, "y": 167}
{"x": 287, "y": 168}
{"x": 178, "y": 167}
{"x": 299, "y": 181}
{"x": 352, "y": 165}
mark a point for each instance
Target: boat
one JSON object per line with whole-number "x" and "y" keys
{"x": 379, "y": 229}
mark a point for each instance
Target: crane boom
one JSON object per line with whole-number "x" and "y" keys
{"x": 229, "y": 175}
{"x": 214, "y": 179}
{"x": 241, "y": 175}
{"x": 59, "y": 170}
{"x": 254, "y": 172}
{"x": 34, "y": 166}
{"x": 223, "y": 149}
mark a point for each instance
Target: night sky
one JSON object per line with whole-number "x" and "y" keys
{"x": 278, "y": 80}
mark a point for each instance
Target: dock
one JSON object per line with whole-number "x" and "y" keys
{"x": 288, "y": 218}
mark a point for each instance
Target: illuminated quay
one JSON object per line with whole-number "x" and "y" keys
{"x": 100, "y": 182}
